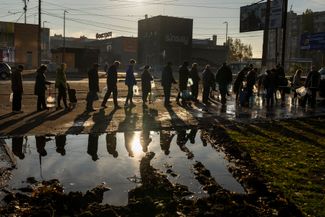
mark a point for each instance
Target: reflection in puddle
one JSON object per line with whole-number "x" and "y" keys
{"x": 81, "y": 162}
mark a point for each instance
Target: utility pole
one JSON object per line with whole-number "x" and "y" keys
{"x": 39, "y": 33}
{"x": 25, "y": 9}
{"x": 63, "y": 53}
{"x": 226, "y": 32}
{"x": 284, "y": 24}
{"x": 266, "y": 33}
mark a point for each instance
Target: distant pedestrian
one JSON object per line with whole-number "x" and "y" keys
{"x": 111, "y": 83}
{"x": 281, "y": 82}
{"x": 194, "y": 75}
{"x": 93, "y": 84}
{"x": 146, "y": 79}
{"x": 130, "y": 82}
{"x": 224, "y": 78}
{"x": 182, "y": 82}
{"x": 61, "y": 84}
{"x": 296, "y": 82}
{"x": 40, "y": 87}
{"x": 238, "y": 83}
{"x": 312, "y": 85}
{"x": 269, "y": 85}
{"x": 251, "y": 80}
{"x": 167, "y": 79}
{"x": 208, "y": 84}
{"x": 17, "y": 88}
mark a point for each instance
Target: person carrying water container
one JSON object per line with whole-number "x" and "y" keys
{"x": 130, "y": 82}
{"x": 224, "y": 78}
{"x": 40, "y": 87}
{"x": 146, "y": 79}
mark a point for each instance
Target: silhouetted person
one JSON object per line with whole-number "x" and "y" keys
{"x": 281, "y": 81}
{"x": 182, "y": 82}
{"x": 93, "y": 146}
{"x": 166, "y": 138}
{"x": 40, "y": 87}
{"x": 60, "y": 142}
{"x": 251, "y": 80}
{"x": 17, "y": 147}
{"x": 167, "y": 79}
{"x": 130, "y": 82}
{"x": 146, "y": 79}
{"x": 61, "y": 84}
{"x": 40, "y": 145}
{"x": 111, "y": 144}
{"x": 269, "y": 85}
{"x": 312, "y": 84}
{"x": 93, "y": 83}
{"x": 224, "y": 78}
{"x": 194, "y": 75}
{"x": 208, "y": 84}
{"x": 111, "y": 82}
{"x": 17, "y": 88}
{"x": 239, "y": 81}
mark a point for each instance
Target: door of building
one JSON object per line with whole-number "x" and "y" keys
{"x": 29, "y": 60}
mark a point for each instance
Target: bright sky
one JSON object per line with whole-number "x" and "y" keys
{"x": 85, "y": 17}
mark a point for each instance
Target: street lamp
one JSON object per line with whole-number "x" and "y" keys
{"x": 226, "y": 31}
{"x": 63, "y": 53}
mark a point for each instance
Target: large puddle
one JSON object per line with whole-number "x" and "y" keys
{"x": 82, "y": 162}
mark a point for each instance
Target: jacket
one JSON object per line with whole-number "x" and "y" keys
{"x": 224, "y": 75}
{"x": 130, "y": 79}
{"x": 40, "y": 84}
{"x": 312, "y": 80}
{"x": 146, "y": 79}
{"x": 93, "y": 80}
{"x": 183, "y": 77}
{"x": 111, "y": 76}
{"x": 61, "y": 78}
{"x": 194, "y": 75}
{"x": 167, "y": 77}
{"x": 16, "y": 81}
{"x": 208, "y": 79}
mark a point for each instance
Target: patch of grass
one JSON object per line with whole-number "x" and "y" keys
{"x": 291, "y": 156}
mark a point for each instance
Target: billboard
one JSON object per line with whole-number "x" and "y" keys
{"x": 276, "y": 14}
{"x": 315, "y": 41}
{"x": 252, "y": 17}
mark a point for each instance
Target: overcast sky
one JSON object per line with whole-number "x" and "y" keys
{"x": 85, "y": 17}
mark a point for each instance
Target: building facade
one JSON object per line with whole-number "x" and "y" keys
{"x": 19, "y": 44}
{"x": 162, "y": 39}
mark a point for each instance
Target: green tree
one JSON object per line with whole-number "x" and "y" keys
{"x": 238, "y": 51}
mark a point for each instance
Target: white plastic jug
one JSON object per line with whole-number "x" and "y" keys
{"x": 136, "y": 90}
{"x": 153, "y": 85}
{"x": 189, "y": 82}
{"x": 104, "y": 91}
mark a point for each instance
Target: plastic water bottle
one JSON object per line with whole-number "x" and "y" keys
{"x": 136, "y": 90}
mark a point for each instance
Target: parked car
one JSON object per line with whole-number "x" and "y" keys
{"x": 5, "y": 71}
{"x": 322, "y": 82}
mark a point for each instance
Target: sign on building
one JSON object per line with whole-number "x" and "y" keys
{"x": 252, "y": 17}
{"x": 276, "y": 14}
{"x": 315, "y": 41}
{"x": 103, "y": 35}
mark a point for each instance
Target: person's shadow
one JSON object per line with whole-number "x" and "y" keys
{"x": 60, "y": 142}
{"x": 93, "y": 146}
{"x": 17, "y": 147}
{"x": 102, "y": 121}
{"x": 111, "y": 144}
{"x": 166, "y": 138}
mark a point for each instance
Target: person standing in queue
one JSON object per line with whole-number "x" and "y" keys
{"x": 40, "y": 87}
{"x": 130, "y": 82}
{"x": 312, "y": 84}
{"x": 61, "y": 84}
{"x": 183, "y": 77}
{"x": 146, "y": 79}
{"x": 17, "y": 89}
{"x": 208, "y": 84}
{"x": 93, "y": 84}
{"x": 224, "y": 78}
{"x": 112, "y": 85}
{"x": 167, "y": 79}
{"x": 194, "y": 75}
